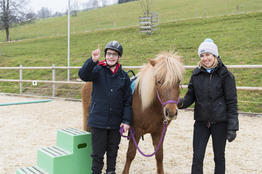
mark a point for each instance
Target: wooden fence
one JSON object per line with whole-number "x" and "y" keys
{"x": 53, "y": 68}
{"x": 148, "y": 23}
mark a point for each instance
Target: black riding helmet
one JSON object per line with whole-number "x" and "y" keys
{"x": 114, "y": 45}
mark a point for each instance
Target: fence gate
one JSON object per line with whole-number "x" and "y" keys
{"x": 148, "y": 23}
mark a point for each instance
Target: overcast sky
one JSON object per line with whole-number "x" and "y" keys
{"x": 55, "y": 5}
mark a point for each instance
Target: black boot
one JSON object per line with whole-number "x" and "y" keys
{"x": 110, "y": 173}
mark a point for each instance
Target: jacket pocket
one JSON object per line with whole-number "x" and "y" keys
{"x": 221, "y": 111}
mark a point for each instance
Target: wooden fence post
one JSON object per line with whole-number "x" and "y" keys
{"x": 53, "y": 79}
{"x": 21, "y": 77}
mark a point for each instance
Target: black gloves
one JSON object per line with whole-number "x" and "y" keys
{"x": 180, "y": 104}
{"x": 231, "y": 135}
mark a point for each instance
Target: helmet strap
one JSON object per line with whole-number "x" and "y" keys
{"x": 112, "y": 65}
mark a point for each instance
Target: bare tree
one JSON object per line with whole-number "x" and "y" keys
{"x": 43, "y": 13}
{"x": 94, "y": 3}
{"x": 57, "y": 14}
{"x": 124, "y": 1}
{"x": 146, "y": 5}
{"x": 13, "y": 12}
{"x": 104, "y": 3}
{"x": 87, "y": 5}
{"x": 74, "y": 8}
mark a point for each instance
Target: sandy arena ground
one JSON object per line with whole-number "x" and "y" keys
{"x": 28, "y": 127}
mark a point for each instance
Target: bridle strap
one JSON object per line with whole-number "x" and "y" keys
{"x": 168, "y": 101}
{"x": 171, "y": 101}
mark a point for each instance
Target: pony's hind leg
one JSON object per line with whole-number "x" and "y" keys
{"x": 159, "y": 154}
{"x": 131, "y": 152}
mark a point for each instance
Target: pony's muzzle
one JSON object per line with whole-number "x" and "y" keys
{"x": 170, "y": 113}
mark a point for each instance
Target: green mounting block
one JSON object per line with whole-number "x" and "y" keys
{"x": 71, "y": 155}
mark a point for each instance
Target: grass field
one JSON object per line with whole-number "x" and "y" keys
{"x": 238, "y": 37}
{"x": 123, "y": 15}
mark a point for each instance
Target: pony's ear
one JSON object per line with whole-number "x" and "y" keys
{"x": 151, "y": 61}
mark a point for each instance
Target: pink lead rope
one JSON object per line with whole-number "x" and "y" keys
{"x": 132, "y": 132}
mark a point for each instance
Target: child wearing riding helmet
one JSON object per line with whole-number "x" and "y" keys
{"x": 111, "y": 105}
{"x": 212, "y": 87}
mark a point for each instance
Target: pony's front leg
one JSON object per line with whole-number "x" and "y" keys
{"x": 159, "y": 154}
{"x": 131, "y": 152}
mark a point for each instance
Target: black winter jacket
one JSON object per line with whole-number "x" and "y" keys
{"x": 215, "y": 96}
{"x": 111, "y": 102}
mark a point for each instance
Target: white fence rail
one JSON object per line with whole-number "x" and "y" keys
{"x": 53, "y": 68}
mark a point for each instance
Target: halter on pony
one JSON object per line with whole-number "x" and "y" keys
{"x": 168, "y": 101}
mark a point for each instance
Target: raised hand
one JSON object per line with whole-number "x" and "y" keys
{"x": 96, "y": 54}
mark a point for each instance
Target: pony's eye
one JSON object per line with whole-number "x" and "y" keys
{"x": 159, "y": 82}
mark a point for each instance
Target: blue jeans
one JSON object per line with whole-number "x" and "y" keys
{"x": 218, "y": 132}
{"x": 104, "y": 141}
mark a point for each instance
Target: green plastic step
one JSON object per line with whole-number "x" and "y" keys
{"x": 51, "y": 159}
{"x": 71, "y": 155}
{"x": 72, "y": 139}
{"x": 32, "y": 169}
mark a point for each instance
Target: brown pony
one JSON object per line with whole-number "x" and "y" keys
{"x": 164, "y": 74}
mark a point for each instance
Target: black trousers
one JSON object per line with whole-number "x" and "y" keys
{"x": 218, "y": 132}
{"x": 104, "y": 141}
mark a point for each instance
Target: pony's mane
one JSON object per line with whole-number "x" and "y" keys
{"x": 168, "y": 69}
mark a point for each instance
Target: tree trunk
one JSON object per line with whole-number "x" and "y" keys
{"x": 6, "y": 21}
{"x": 7, "y": 34}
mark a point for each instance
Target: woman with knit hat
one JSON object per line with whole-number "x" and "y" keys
{"x": 212, "y": 87}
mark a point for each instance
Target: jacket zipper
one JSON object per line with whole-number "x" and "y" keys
{"x": 210, "y": 78}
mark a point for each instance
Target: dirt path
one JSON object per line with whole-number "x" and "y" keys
{"x": 26, "y": 128}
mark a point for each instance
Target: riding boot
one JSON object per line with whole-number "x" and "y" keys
{"x": 110, "y": 173}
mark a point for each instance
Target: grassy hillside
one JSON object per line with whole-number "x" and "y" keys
{"x": 127, "y": 15}
{"x": 238, "y": 38}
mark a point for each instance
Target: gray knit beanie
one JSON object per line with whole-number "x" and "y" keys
{"x": 208, "y": 46}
